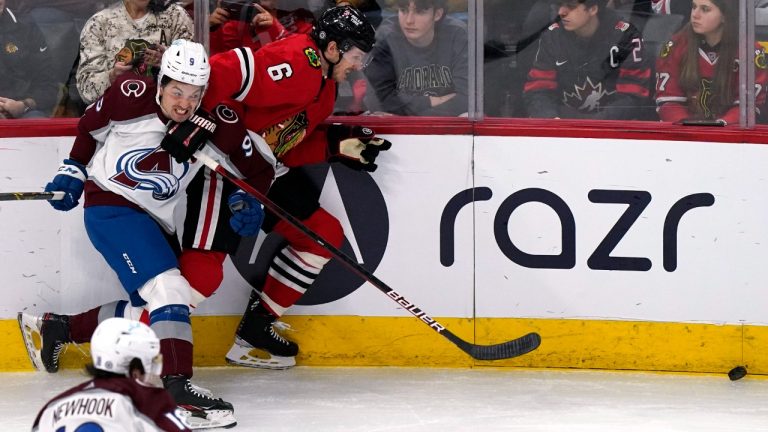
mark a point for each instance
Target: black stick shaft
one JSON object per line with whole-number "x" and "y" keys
{"x": 25, "y": 196}
{"x": 504, "y": 350}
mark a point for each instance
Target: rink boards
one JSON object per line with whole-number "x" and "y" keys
{"x": 622, "y": 254}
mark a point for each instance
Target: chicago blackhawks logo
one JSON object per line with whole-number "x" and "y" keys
{"x": 286, "y": 134}
{"x": 705, "y": 97}
{"x": 314, "y": 59}
{"x": 760, "y": 60}
{"x": 152, "y": 170}
{"x": 666, "y": 49}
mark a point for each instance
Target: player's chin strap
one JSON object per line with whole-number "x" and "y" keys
{"x": 332, "y": 64}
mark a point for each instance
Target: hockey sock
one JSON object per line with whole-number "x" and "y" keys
{"x": 82, "y": 326}
{"x": 290, "y": 274}
{"x": 172, "y": 326}
{"x": 177, "y": 357}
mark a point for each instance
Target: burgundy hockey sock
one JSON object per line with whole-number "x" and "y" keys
{"x": 82, "y": 326}
{"x": 177, "y": 357}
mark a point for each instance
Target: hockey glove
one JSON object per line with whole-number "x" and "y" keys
{"x": 183, "y": 139}
{"x": 355, "y": 146}
{"x": 247, "y": 214}
{"x": 70, "y": 179}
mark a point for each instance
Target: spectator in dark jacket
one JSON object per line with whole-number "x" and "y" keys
{"x": 589, "y": 65}
{"x": 27, "y": 87}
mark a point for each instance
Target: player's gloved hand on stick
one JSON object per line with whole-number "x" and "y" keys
{"x": 355, "y": 146}
{"x": 70, "y": 179}
{"x": 247, "y": 214}
{"x": 183, "y": 139}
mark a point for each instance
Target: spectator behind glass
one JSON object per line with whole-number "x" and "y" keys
{"x": 419, "y": 67}
{"x": 698, "y": 70}
{"x": 267, "y": 26}
{"x": 27, "y": 87}
{"x": 106, "y": 33}
{"x": 217, "y": 16}
{"x": 590, "y": 65}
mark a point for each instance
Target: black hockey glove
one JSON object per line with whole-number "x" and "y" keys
{"x": 355, "y": 146}
{"x": 183, "y": 139}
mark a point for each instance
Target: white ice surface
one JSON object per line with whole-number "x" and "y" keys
{"x": 445, "y": 400}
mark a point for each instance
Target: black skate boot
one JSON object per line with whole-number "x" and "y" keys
{"x": 54, "y": 332}
{"x": 257, "y": 332}
{"x": 201, "y": 411}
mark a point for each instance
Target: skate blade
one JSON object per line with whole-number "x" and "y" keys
{"x": 30, "y": 333}
{"x": 207, "y": 419}
{"x": 255, "y": 358}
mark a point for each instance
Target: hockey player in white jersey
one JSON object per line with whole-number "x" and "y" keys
{"x": 121, "y": 396}
{"x": 132, "y": 140}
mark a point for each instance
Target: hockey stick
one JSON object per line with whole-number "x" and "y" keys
{"x": 25, "y": 196}
{"x": 505, "y": 350}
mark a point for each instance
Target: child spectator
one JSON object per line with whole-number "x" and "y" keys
{"x": 419, "y": 67}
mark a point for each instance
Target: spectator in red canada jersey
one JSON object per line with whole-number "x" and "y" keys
{"x": 698, "y": 70}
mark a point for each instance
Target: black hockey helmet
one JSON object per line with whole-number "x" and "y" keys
{"x": 346, "y": 26}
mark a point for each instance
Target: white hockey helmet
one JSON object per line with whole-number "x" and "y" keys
{"x": 187, "y": 62}
{"x": 117, "y": 341}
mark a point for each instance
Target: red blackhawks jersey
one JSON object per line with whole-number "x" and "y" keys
{"x": 110, "y": 404}
{"x": 283, "y": 94}
{"x": 672, "y": 100}
{"x": 119, "y": 139}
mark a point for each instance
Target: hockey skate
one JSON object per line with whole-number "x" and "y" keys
{"x": 198, "y": 409}
{"x": 266, "y": 350}
{"x": 45, "y": 338}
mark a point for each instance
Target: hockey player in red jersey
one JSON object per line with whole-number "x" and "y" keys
{"x": 286, "y": 90}
{"x": 138, "y": 139}
{"x": 697, "y": 73}
{"x": 121, "y": 396}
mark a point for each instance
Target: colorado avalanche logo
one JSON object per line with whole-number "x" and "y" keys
{"x": 226, "y": 114}
{"x": 150, "y": 169}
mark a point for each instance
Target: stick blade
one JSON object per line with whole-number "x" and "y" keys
{"x": 510, "y": 349}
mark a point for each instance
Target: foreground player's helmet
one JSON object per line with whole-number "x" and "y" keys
{"x": 117, "y": 341}
{"x": 346, "y": 26}
{"x": 186, "y": 62}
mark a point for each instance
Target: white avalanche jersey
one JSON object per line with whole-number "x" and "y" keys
{"x": 123, "y": 131}
{"x": 119, "y": 139}
{"x": 110, "y": 404}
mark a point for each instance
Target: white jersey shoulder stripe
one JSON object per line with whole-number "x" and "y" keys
{"x": 245, "y": 55}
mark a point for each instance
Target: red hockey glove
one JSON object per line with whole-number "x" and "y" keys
{"x": 183, "y": 139}
{"x": 355, "y": 146}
